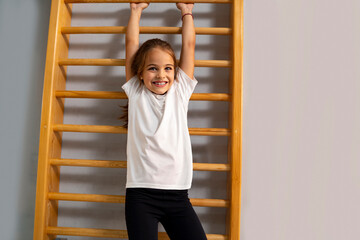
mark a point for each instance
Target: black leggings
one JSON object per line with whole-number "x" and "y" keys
{"x": 145, "y": 208}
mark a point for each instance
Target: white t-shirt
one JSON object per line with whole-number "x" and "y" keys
{"x": 159, "y": 151}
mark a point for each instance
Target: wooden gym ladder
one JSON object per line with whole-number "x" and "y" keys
{"x": 48, "y": 179}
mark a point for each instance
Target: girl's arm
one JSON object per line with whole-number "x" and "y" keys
{"x": 132, "y": 35}
{"x": 187, "y": 57}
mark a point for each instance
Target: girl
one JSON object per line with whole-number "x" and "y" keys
{"x": 159, "y": 170}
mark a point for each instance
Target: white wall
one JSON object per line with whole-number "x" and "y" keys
{"x": 301, "y": 157}
{"x": 301, "y": 126}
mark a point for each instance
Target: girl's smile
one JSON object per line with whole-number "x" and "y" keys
{"x": 158, "y": 74}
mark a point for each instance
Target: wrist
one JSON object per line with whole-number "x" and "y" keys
{"x": 185, "y": 11}
{"x": 136, "y": 10}
{"x": 136, "y": 14}
{"x": 183, "y": 15}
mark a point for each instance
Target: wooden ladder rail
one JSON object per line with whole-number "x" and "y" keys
{"x": 236, "y": 88}
{"x": 47, "y": 195}
{"x": 48, "y": 177}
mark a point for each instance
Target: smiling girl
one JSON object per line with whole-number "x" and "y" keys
{"x": 159, "y": 155}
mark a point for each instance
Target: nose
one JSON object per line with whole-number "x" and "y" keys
{"x": 161, "y": 74}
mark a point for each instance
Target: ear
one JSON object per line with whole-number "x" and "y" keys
{"x": 141, "y": 78}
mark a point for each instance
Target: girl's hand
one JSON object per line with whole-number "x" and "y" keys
{"x": 138, "y": 6}
{"x": 185, "y": 7}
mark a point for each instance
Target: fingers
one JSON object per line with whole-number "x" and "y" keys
{"x": 141, "y": 6}
{"x": 185, "y": 7}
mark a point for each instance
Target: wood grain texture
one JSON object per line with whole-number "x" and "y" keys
{"x": 111, "y": 233}
{"x": 121, "y": 62}
{"x": 236, "y": 120}
{"x": 143, "y": 30}
{"x": 121, "y": 95}
{"x": 219, "y": 167}
{"x": 48, "y": 177}
{"x": 119, "y": 129}
{"x": 121, "y": 199}
{"x": 149, "y": 1}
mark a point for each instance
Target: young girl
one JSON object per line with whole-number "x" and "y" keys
{"x": 159, "y": 170}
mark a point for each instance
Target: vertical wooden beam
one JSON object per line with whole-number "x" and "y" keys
{"x": 48, "y": 177}
{"x": 236, "y": 119}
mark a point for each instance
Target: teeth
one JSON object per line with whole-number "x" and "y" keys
{"x": 160, "y": 83}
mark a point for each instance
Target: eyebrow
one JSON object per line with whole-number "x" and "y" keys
{"x": 152, "y": 64}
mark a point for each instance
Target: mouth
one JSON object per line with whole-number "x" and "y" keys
{"x": 160, "y": 84}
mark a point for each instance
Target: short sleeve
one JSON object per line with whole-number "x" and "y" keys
{"x": 131, "y": 86}
{"x": 186, "y": 85}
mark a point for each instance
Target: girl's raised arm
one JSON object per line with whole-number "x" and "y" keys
{"x": 187, "y": 57}
{"x": 132, "y": 35}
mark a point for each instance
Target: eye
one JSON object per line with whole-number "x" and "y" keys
{"x": 168, "y": 68}
{"x": 152, "y": 69}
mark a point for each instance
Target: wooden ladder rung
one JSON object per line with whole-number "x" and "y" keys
{"x": 144, "y": 30}
{"x": 219, "y": 167}
{"x": 118, "y": 129}
{"x": 121, "y": 62}
{"x": 199, "y": 202}
{"x": 152, "y": 1}
{"x": 122, "y": 95}
{"x": 110, "y": 233}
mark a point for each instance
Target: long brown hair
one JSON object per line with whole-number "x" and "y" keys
{"x": 138, "y": 65}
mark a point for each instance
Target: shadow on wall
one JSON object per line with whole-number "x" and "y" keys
{"x": 27, "y": 188}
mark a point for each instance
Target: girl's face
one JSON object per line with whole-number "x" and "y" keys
{"x": 158, "y": 73}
